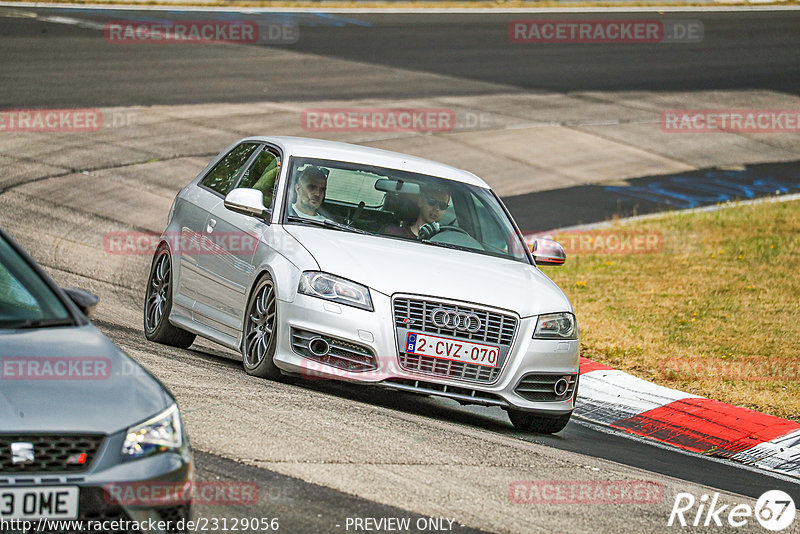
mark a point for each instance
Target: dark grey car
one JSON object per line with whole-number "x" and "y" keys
{"x": 86, "y": 433}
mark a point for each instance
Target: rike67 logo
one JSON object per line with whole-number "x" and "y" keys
{"x": 775, "y": 510}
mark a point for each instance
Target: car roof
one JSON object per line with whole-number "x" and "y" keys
{"x": 333, "y": 150}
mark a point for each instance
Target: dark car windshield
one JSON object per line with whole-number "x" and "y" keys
{"x": 25, "y": 299}
{"x": 398, "y": 204}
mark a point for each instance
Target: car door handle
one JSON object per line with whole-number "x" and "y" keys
{"x": 210, "y": 226}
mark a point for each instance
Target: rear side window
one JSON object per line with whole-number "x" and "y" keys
{"x": 224, "y": 173}
{"x": 262, "y": 175}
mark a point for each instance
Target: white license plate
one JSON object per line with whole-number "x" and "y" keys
{"x": 452, "y": 349}
{"x": 57, "y": 502}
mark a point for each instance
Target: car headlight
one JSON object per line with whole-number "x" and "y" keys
{"x": 160, "y": 433}
{"x": 331, "y": 287}
{"x": 556, "y": 326}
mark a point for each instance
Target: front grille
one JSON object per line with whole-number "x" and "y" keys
{"x": 342, "y": 354}
{"x": 448, "y": 368}
{"x": 54, "y": 453}
{"x": 540, "y": 387}
{"x": 414, "y": 315}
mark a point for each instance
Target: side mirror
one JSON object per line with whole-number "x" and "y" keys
{"x": 84, "y": 300}
{"x": 548, "y": 252}
{"x": 247, "y": 202}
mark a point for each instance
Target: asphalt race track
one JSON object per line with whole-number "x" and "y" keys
{"x": 323, "y": 452}
{"x": 62, "y": 65}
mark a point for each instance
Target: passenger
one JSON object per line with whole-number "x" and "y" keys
{"x": 432, "y": 203}
{"x": 310, "y": 194}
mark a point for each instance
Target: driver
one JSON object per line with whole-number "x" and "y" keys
{"x": 310, "y": 194}
{"x": 432, "y": 203}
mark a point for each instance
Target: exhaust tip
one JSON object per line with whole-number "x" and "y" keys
{"x": 319, "y": 347}
{"x": 560, "y": 387}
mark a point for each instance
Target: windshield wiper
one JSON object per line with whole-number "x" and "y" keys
{"x": 36, "y": 323}
{"x": 448, "y": 245}
{"x": 485, "y": 252}
{"x": 327, "y": 223}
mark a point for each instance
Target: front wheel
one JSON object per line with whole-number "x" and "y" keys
{"x": 260, "y": 331}
{"x": 535, "y": 422}
{"x": 158, "y": 304}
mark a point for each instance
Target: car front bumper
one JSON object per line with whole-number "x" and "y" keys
{"x": 108, "y": 477}
{"x": 376, "y": 332}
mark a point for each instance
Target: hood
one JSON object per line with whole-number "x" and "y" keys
{"x": 396, "y": 266}
{"x": 72, "y": 379}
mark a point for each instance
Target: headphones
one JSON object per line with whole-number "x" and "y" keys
{"x": 427, "y": 231}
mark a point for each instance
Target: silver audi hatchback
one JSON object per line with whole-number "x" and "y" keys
{"x": 336, "y": 261}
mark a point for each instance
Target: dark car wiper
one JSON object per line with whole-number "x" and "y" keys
{"x": 475, "y": 250}
{"x": 448, "y": 245}
{"x": 327, "y": 223}
{"x": 36, "y": 323}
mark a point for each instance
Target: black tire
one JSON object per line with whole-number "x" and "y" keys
{"x": 535, "y": 422}
{"x": 158, "y": 304}
{"x": 260, "y": 337}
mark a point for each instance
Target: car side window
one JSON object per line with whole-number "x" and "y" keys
{"x": 23, "y": 295}
{"x": 263, "y": 175}
{"x": 14, "y": 298}
{"x": 491, "y": 232}
{"x": 224, "y": 173}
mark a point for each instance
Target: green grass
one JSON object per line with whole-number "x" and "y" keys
{"x": 716, "y": 312}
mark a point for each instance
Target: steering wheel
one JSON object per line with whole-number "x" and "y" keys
{"x": 429, "y": 230}
{"x": 452, "y": 229}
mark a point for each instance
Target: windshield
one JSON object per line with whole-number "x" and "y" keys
{"x": 25, "y": 299}
{"x": 396, "y": 204}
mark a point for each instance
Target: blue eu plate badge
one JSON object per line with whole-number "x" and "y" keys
{"x": 411, "y": 342}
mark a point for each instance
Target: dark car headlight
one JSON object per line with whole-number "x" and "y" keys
{"x": 337, "y": 289}
{"x": 556, "y": 326}
{"x": 160, "y": 433}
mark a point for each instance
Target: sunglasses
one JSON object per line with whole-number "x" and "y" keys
{"x": 441, "y": 205}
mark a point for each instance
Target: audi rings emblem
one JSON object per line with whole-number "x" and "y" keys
{"x": 456, "y": 320}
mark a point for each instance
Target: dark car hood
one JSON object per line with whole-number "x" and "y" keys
{"x": 105, "y": 390}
